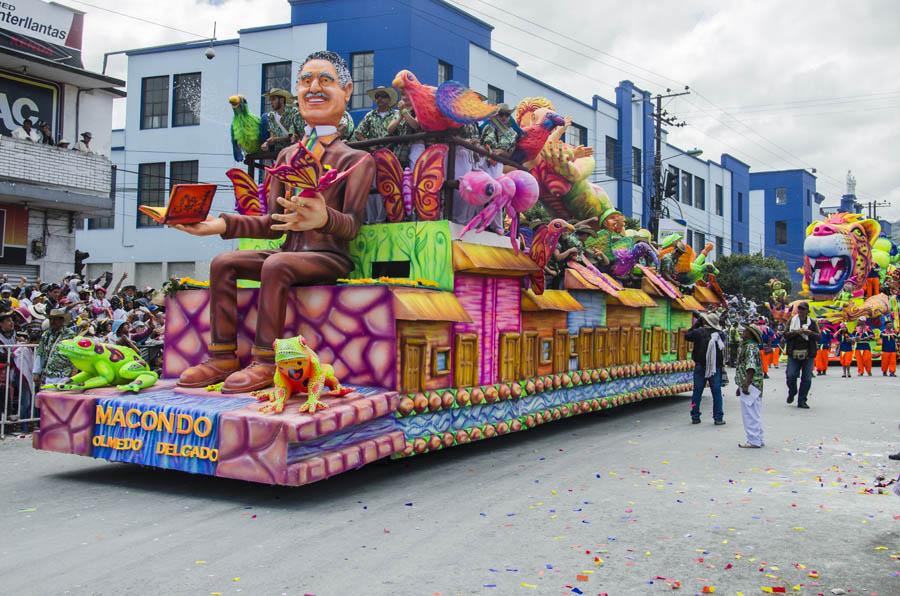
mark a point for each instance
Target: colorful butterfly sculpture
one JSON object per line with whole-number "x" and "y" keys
{"x": 248, "y": 199}
{"x": 411, "y": 189}
{"x": 304, "y": 172}
{"x": 516, "y": 192}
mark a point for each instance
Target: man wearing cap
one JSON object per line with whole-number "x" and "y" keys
{"x": 749, "y": 380}
{"x": 709, "y": 358}
{"x": 374, "y": 125}
{"x": 802, "y": 340}
{"x": 499, "y": 136}
{"x": 63, "y": 143}
{"x": 279, "y": 120}
{"x": 49, "y": 365}
{"x": 6, "y": 294}
{"x": 84, "y": 145}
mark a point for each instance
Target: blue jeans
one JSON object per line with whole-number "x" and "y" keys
{"x": 803, "y": 369}
{"x": 715, "y": 385}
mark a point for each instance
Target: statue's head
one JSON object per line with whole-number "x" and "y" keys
{"x": 324, "y": 86}
{"x": 614, "y": 222}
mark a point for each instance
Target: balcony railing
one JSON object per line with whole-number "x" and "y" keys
{"x": 49, "y": 176}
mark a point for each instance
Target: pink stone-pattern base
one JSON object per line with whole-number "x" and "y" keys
{"x": 253, "y": 445}
{"x": 343, "y": 460}
{"x": 351, "y": 328}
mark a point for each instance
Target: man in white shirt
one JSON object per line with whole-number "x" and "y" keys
{"x": 84, "y": 144}
{"x": 26, "y": 132}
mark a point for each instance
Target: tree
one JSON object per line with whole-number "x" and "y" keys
{"x": 747, "y": 275}
{"x": 632, "y": 223}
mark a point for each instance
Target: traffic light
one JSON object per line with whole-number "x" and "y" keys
{"x": 671, "y": 185}
{"x": 79, "y": 261}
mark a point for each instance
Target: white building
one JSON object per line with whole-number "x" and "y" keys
{"x": 178, "y": 119}
{"x": 45, "y": 190}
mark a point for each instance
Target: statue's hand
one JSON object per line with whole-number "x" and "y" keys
{"x": 301, "y": 214}
{"x": 211, "y": 226}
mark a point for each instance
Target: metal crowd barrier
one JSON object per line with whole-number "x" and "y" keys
{"x": 18, "y": 389}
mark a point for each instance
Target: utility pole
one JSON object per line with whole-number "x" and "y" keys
{"x": 661, "y": 117}
{"x": 873, "y": 208}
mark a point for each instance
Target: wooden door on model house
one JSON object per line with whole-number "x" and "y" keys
{"x": 414, "y": 361}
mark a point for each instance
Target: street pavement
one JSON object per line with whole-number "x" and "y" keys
{"x": 627, "y": 501}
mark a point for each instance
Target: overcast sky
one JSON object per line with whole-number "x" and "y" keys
{"x": 780, "y": 85}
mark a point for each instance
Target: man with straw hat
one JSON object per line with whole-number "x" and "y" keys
{"x": 49, "y": 365}
{"x": 279, "y": 120}
{"x": 374, "y": 125}
{"x": 709, "y": 359}
{"x": 749, "y": 380}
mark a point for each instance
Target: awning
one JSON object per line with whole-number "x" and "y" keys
{"x": 661, "y": 284}
{"x": 550, "y": 300}
{"x": 413, "y": 304}
{"x": 690, "y": 303}
{"x": 705, "y": 295}
{"x": 635, "y": 298}
{"x": 479, "y": 258}
{"x": 586, "y": 279}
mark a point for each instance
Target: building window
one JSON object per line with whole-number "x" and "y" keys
{"x": 687, "y": 188}
{"x": 151, "y": 189}
{"x": 445, "y": 72}
{"x": 740, "y": 248}
{"x": 781, "y": 196}
{"x": 363, "y": 78}
{"x": 690, "y": 237}
{"x": 637, "y": 168}
{"x": 186, "y": 99}
{"x": 674, "y": 173}
{"x": 576, "y": 135}
{"x": 700, "y": 239}
{"x": 740, "y": 206}
{"x": 155, "y": 102}
{"x": 808, "y": 198}
{"x": 720, "y": 201}
{"x": 275, "y": 75}
{"x": 781, "y": 232}
{"x": 699, "y": 193}
{"x": 183, "y": 172}
{"x": 612, "y": 146}
{"x": 495, "y": 95}
{"x": 105, "y": 222}
{"x": 720, "y": 247}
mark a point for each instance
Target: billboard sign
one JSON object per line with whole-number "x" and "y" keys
{"x": 22, "y": 98}
{"x": 47, "y": 22}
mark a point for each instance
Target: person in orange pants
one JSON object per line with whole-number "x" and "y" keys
{"x": 845, "y": 349}
{"x": 889, "y": 350}
{"x": 824, "y": 350}
{"x": 765, "y": 351}
{"x": 873, "y": 281}
{"x": 777, "y": 340}
{"x": 864, "y": 336}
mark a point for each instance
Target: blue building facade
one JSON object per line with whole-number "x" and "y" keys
{"x": 790, "y": 205}
{"x": 740, "y": 203}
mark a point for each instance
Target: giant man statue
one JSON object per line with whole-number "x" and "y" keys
{"x": 318, "y": 231}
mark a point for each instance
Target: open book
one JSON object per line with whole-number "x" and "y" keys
{"x": 188, "y": 204}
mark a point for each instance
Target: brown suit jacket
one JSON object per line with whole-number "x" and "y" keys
{"x": 346, "y": 203}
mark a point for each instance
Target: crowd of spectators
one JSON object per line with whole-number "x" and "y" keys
{"x": 41, "y": 134}
{"x": 36, "y": 317}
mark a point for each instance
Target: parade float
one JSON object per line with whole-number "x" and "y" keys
{"x": 436, "y": 335}
{"x": 847, "y": 264}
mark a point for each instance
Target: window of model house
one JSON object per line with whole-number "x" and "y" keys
{"x": 363, "y": 67}
{"x": 186, "y": 99}
{"x": 155, "y": 102}
{"x": 510, "y": 352}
